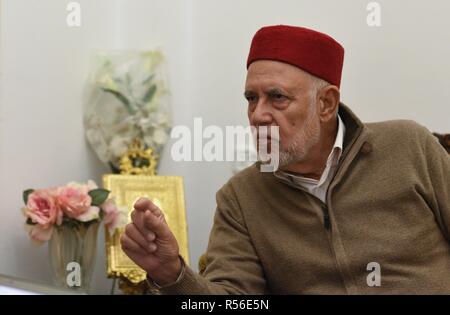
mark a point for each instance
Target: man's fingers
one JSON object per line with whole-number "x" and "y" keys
{"x": 143, "y": 204}
{"x": 156, "y": 211}
{"x": 145, "y": 241}
{"x": 150, "y": 236}
{"x": 137, "y": 217}
{"x": 156, "y": 223}
{"x": 138, "y": 220}
{"x": 129, "y": 244}
{"x": 149, "y": 220}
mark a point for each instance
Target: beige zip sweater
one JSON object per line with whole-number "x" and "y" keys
{"x": 389, "y": 203}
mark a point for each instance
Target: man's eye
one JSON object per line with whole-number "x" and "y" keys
{"x": 278, "y": 96}
{"x": 251, "y": 99}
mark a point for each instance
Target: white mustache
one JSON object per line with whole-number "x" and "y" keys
{"x": 268, "y": 133}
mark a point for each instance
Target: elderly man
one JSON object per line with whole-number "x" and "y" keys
{"x": 353, "y": 208}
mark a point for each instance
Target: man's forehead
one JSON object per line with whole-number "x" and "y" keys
{"x": 275, "y": 74}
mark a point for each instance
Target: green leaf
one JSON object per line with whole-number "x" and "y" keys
{"x": 150, "y": 93}
{"x": 26, "y": 193}
{"x": 148, "y": 79}
{"x": 98, "y": 196}
{"x": 119, "y": 95}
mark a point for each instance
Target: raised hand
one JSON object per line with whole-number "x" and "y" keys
{"x": 150, "y": 243}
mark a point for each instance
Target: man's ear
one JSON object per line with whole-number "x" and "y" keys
{"x": 329, "y": 98}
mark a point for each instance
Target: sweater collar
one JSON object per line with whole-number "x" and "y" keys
{"x": 354, "y": 128}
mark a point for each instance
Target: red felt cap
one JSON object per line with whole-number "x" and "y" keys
{"x": 312, "y": 51}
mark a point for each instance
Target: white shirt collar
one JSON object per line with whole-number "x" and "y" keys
{"x": 339, "y": 142}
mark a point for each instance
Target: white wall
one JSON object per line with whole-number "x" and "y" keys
{"x": 44, "y": 66}
{"x": 399, "y": 70}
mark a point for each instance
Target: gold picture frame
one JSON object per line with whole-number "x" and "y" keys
{"x": 167, "y": 192}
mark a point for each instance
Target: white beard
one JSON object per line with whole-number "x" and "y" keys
{"x": 304, "y": 140}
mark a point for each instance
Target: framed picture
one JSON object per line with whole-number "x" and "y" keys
{"x": 167, "y": 193}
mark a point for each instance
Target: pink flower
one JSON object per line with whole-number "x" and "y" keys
{"x": 43, "y": 209}
{"x": 40, "y": 234}
{"x": 74, "y": 199}
{"x": 112, "y": 215}
{"x": 91, "y": 214}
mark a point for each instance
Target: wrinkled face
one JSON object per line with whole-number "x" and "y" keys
{"x": 282, "y": 95}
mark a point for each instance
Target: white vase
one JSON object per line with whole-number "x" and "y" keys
{"x": 72, "y": 254}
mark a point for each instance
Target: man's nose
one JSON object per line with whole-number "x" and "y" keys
{"x": 262, "y": 114}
